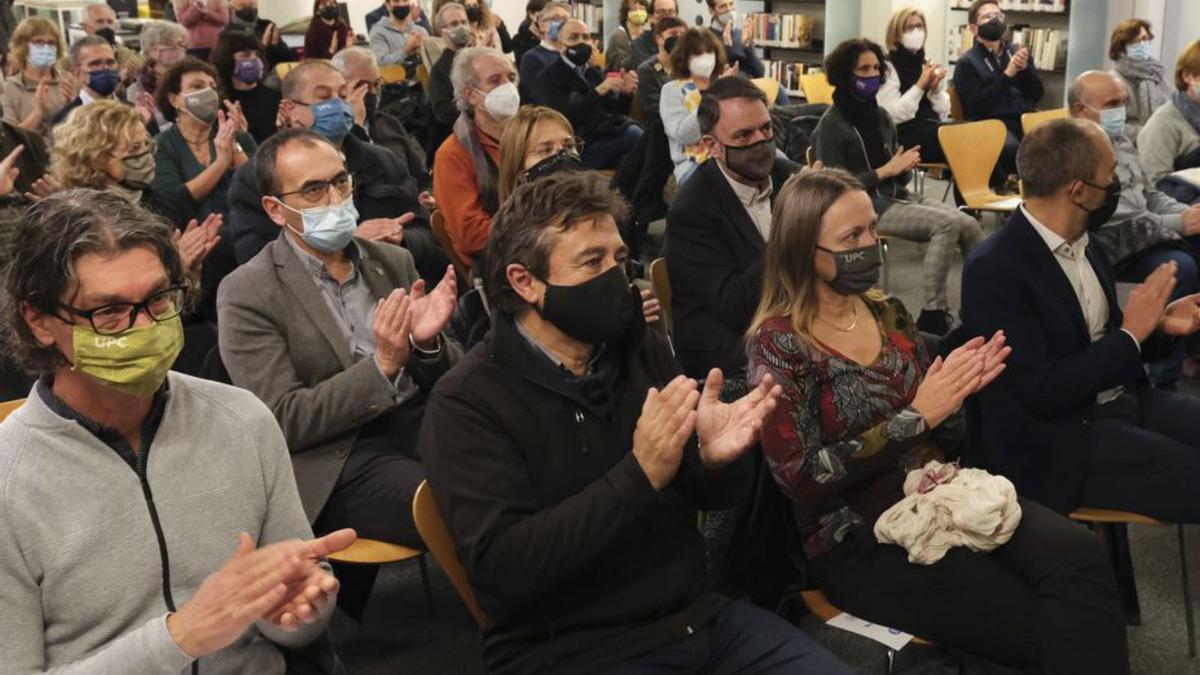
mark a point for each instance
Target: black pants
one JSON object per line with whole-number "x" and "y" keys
{"x": 431, "y": 261}
{"x": 1146, "y": 456}
{"x": 923, "y": 133}
{"x": 1044, "y": 602}
{"x": 741, "y": 639}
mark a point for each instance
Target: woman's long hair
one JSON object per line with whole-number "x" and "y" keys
{"x": 514, "y": 143}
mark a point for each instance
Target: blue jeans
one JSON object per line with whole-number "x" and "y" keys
{"x": 1164, "y": 371}
{"x": 741, "y": 639}
{"x": 607, "y": 151}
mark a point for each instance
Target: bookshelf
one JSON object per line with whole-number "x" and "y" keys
{"x": 1041, "y": 25}
{"x": 591, "y": 12}
{"x": 791, "y": 37}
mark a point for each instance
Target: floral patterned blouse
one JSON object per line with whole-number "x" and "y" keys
{"x": 826, "y": 441}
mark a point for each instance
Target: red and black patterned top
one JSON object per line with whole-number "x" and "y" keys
{"x": 825, "y": 441}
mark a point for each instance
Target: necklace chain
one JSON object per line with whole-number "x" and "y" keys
{"x": 852, "y": 326}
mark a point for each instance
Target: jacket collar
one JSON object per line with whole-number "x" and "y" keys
{"x": 727, "y": 200}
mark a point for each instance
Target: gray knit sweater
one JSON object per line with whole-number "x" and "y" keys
{"x": 81, "y": 586}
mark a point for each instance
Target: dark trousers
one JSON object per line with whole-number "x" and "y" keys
{"x": 740, "y": 639}
{"x": 923, "y": 133}
{"x": 1044, "y": 602}
{"x": 1146, "y": 456}
{"x": 430, "y": 259}
{"x": 1007, "y": 164}
{"x": 607, "y": 151}
{"x": 1163, "y": 372}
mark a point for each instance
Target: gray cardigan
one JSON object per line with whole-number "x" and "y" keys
{"x": 838, "y": 145}
{"x": 80, "y": 569}
{"x": 1166, "y": 136}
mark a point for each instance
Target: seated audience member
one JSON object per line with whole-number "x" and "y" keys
{"x": 1148, "y": 227}
{"x": 466, "y": 166}
{"x": 382, "y": 12}
{"x": 164, "y": 45}
{"x": 857, "y": 135}
{"x": 826, "y": 336}
{"x": 94, "y": 67}
{"x": 93, "y": 311}
{"x": 717, "y": 227}
{"x": 537, "y": 142}
{"x": 644, "y": 46}
{"x": 560, "y": 452}
{"x": 596, "y": 105}
{"x": 487, "y": 29}
{"x": 452, "y": 25}
{"x": 101, "y": 20}
{"x": 696, "y": 62}
{"x": 631, "y": 21}
{"x": 347, "y": 375}
{"x": 550, "y": 23}
{"x": 913, "y": 91}
{"x": 1071, "y": 421}
{"x": 239, "y": 60}
{"x": 1171, "y": 138}
{"x": 1144, "y": 78}
{"x": 23, "y": 160}
{"x": 397, "y": 39}
{"x": 36, "y": 90}
{"x": 327, "y": 33}
{"x": 527, "y": 36}
{"x": 385, "y": 193}
{"x": 243, "y": 16}
{"x": 996, "y": 79}
{"x": 204, "y": 21}
{"x": 655, "y": 71}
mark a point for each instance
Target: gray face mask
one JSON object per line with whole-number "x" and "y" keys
{"x": 459, "y": 36}
{"x": 139, "y": 171}
{"x": 203, "y": 105}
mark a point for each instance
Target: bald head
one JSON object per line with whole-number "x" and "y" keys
{"x": 573, "y": 32}
{"x": 1094, "y": 91}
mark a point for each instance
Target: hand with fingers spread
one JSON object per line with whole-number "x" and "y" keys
{"x": 726, "y": 430}
{"x": 995, "y": 352}
{"x": 235, "y": 112}
{"x": 667, "y": 421}
{"x": 1147, "y": 301}
{"x": 390, "y": 230}
{"x": 392, "y": 327}
{"x": 225, "y": 140}
{"x": 948, "y": 383}
{"x": 198, "y": 241}
{"x": 9, "y": 170}
{"x": 310, "y": 595}
{"x": 431, "y": 311}
{"x": 651, "y": 309}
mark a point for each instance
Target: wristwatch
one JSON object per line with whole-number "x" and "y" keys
{"x": 905, "y": 425}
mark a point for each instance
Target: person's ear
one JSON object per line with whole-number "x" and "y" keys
{"x": 39, "y": 324}
{"x": 274, "y": 210}
{"x": 525, "y": 284}
{"x": 712, "y": 146}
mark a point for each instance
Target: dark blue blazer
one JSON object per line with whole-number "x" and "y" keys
{"x": 1034, "y": 423}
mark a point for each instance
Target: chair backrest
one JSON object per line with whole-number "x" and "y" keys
{"x": 423, "y": 77}
{"x": 393, "y": 73}
{"x": 1032, "y": 120}
{"x": 600, "y": 59}
{"x": 437, "y": 539}
{"x": 283, "y": 68}
{"x": 770, "y": 87}
{"x": 462, "y": 271}
{"x": 661, "y": 285}
{"x": 816, "y": 88}
{"x": 956, "y": 109}
{"x": 972, "y": 150}
{"x": 7, "y": 407}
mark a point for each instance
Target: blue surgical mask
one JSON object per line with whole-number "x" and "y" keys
{"x": 328, "y": 229}
{"x": 1112, "y": 120}
{"x": 332, "y": 119}
{"x": 42, "y": 56}
{"x": 553, "y": 30}
{"x": 1139, "y": 51}
{"x": 103, "y": 82}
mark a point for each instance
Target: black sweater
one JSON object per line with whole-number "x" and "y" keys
{"x": 576, "y": 560}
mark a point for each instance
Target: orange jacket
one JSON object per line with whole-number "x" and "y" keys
{"x": 457, "y": 194}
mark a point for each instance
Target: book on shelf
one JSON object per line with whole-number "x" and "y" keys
{"x": 1049, "y": 6}
{"x": 592, "y": 15}
{"x": 787, "y": 73}
{"x": 1047, "y": 46}
{"x": 793, "y": 31}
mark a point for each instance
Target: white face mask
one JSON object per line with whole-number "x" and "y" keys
{"x": 913, "y": 40}
{"x": 725, "y": 19}
{"x": 702, "y": 65}
{"x": 502, "y": 102}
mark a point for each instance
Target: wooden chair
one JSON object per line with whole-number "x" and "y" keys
{"x": 437, "y": 537}
{"x": 393, "y": 73}
{"x": 956, "y": 108}
{"x": 282, "y": 69}
{"x": 462, "y": 271}
{"x": 373, "y": 552}
{"x": 816, "y": 88}
{"x": 972, "y": 150}
{"x": 7, "y": 407}
{"x": 661, "y": 285}
{"x": 941, "y": 170}
{"x": 770, "y": 87}
{"x": 1115, "y": 522}
{"x": 600, "y": 59}
{"x": 819, "y": 605}
{"x": 1032, "y": 120}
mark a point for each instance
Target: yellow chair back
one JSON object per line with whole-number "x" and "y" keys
{"x": 816, "y": 88}
{"x": 1032, "y": 120}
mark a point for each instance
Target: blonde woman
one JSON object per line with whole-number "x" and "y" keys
{"x": 536, "y": 138}
{"x": 861, "y": 402}
{"x": 913, "y": 90}
{"x": 37, "y": 90}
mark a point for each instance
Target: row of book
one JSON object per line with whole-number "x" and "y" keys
{"x": 1047, "y": 46}
{"x": 1052, "y": 6}
{"x": 787, "y": 73}
{"x": 592, "y": 15}
{"x": 794, "y": 31}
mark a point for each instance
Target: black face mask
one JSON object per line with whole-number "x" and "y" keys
{"x": 560, "y": 161}
{"x": 579, "y": 54}
{"x": 329, "y": 12}
{"x": 669, "y": 43}
{"x": 857, "y": 269}
{"x": 401, "y": 12}
{"x": 594, "y": 312}
{"x": 1097, "y": 217}
{"x": 992, "y": 30}
{"x": 371, "y": 103}
{"x": 247, "y": 14}
{"x": 109, "y": 35}
{"x": 474, "y": 13}
{"x": 754, "y": 161}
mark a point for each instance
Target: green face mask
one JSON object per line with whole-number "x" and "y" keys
{"x": 135, "y": 362}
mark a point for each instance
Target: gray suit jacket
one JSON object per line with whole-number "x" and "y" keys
{"x": 279, "y": 340}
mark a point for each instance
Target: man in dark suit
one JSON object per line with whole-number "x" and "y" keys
{"x": 550, "y": 22}
{"x": 596, "y": 105}
{"x": 338, "y": 336}
{"x": 1073, "y": 421}
{"x": 717, "y": 228}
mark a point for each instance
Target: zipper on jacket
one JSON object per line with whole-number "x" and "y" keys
{"x": 579, "y": 420}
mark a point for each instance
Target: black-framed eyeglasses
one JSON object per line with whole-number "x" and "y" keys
{"x": 573, "y": 145}
{"x": 119, "y": 317}
{"x": 314, "y": 191}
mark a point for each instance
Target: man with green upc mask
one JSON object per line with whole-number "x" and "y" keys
{"x": 111, "y": 562}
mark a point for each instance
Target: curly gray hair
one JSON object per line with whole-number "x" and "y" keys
{"x": 462, "y": 73}
{"x": 155, "y": 33}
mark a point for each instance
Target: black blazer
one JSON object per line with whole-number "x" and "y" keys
{"x": 715, "y": 263}
{"x": 592, "y": 115}
{"x": 1035, "y": 421}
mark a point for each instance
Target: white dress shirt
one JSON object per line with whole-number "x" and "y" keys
{"x": 757, "y": 201}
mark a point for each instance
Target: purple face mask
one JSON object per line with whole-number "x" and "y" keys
{"x": 865, "y": 88}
